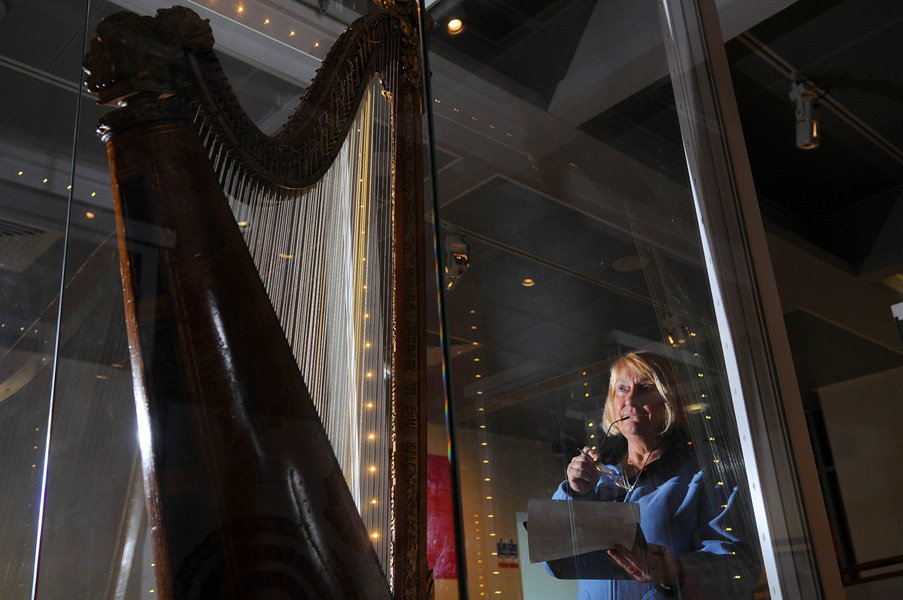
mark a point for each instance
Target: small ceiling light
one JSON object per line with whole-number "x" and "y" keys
{"x": 266, "y": 21}
{"x": 528, "y": 283}
{"x": 285, "y": 256}
{"x": 455, "y": 26}
{"x": 89, "y": 214}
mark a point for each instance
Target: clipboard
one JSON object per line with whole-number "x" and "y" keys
{"x": 572, "y": 538}
{"x": 593, "y": 565}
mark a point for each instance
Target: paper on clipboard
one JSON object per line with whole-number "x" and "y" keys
{"x": 561, "y": 529}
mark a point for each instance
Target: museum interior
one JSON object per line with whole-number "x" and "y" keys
{"x": 715, "y": 181}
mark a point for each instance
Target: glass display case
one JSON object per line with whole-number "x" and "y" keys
{"x": 587, "y": 197}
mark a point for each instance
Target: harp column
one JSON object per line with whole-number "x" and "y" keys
{"x": 409, "y": 456}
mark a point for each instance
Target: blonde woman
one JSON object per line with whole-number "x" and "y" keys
{"x": 695, "y": 548}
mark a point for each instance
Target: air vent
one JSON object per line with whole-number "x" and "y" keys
{"x": 11, "y": 228}
{"x": 432, "y": 340}
{"x": 21, "y": 244}
{"x": 434, "y": 352}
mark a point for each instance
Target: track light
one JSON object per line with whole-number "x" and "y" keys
{"x": 807, "y": 123}
{"x": 456, "y": 261}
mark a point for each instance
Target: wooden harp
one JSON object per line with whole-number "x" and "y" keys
{"x": 274, "y": 293}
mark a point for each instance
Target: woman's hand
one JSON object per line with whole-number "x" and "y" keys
{"x": 655, "y": 565}
{"x": 582, "y": 472}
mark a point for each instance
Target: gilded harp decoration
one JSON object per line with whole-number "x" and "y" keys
{"x": 274, "y": 291}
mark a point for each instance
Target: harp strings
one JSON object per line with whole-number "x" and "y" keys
{"x": 325, "y": 255}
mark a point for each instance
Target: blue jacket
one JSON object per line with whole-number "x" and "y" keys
{"x": 684, "y": 509}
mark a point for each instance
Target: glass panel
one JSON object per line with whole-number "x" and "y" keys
{"x": 831, "y": 214}
{"x": 770, "y": 422}
{"x": 95, "y": 494}
{"x": 38, "y": 81}
{"x": 567, "y": 191}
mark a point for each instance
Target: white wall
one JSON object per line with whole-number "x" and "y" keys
{"x": 863, "y": 417}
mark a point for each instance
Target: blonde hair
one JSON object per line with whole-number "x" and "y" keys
{"x": 657, "y": 369}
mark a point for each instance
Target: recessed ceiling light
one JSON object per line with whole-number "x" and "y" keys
{"x": 455, "y": 26}
{"x": 528, "y": 283}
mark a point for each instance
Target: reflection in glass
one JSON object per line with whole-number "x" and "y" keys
{"x": 563, "y": 173}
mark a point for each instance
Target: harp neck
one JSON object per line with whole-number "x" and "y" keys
{"x": 165, "y": 68}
